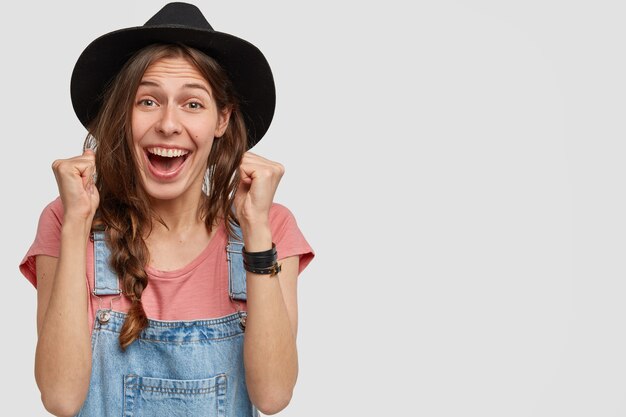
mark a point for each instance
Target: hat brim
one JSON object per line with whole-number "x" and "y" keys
{"x": 243, "y": 62}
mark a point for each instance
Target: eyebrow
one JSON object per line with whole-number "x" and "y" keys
{"x": 188, "y": 85}
{"x": 197, "y": 86}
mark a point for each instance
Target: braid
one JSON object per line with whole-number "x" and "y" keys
{"x": 129, "y": 255}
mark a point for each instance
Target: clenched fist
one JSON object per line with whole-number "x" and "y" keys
{"x": 257, "y": 186}
{"x": 75, "y": 179}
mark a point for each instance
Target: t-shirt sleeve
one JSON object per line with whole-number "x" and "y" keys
{"x": 288, "y": 237}
{"x": 47, "y": 240}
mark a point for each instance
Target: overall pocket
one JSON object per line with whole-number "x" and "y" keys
{"x": 149, "y": 397}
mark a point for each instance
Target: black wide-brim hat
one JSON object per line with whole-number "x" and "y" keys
{"x": 181, "y": 23}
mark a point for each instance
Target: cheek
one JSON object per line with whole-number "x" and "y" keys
{"x": 139, "y": 124}
{"x": 202, "y": 136}
{"x": 204, "y": 144}
{"x": 137, "y": 132}
{"x": 135, "y": 129}
{"x": 201, "y": 127}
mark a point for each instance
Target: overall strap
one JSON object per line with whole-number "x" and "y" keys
{"x": 105, "y": 280}
{"x": 236, "y": 273}
{"x": 107, "y": 283}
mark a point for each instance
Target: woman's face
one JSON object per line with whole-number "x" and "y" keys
{"x": 174, "y": 123}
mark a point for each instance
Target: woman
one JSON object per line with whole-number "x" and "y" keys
{"x": 171, "y": 221}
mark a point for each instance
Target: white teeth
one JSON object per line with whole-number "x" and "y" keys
{"x": 169, "y": 153}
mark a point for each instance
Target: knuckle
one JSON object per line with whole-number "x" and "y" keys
{"x": 58, "y": 165}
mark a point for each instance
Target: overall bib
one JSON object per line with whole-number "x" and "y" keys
{"x": 175, "y": 368}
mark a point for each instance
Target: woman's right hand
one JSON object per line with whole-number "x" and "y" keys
{"x": 75, "y": 179}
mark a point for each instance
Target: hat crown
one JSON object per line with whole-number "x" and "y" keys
{"x": 179, "y": 14}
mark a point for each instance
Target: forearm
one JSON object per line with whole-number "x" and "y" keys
{"x": 270, "y": 354}
{"x": 63, "y": 355}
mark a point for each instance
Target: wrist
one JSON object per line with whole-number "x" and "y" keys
{"x": 254, "y": 222}
{"x": 256, "y": 237}
{"x": 72, "y": 228}
{"x": 78, "y": 216}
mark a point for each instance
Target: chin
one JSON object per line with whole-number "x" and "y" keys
{"x": 165, "y": 192}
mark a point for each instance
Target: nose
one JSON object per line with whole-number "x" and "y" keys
{"x": 168, "y": 124}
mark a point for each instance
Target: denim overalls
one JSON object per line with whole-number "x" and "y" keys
{"x": 175, "y": 368}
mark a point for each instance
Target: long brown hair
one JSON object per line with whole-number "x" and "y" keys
{"x": 124, "y": 208}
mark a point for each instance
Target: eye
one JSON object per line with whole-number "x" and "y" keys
{"x": 194, "y": 105}
{"x": 146, "y": 102}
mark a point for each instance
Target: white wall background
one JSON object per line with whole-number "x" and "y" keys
{"x": 456, "y": 165}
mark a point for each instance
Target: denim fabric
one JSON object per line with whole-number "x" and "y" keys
{"x": 105, "y": 280}
{"x": 175, "y": 368}
{"x": 236, "y": 287}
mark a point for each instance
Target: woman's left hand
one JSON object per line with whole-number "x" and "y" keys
{"x": 259, "y": 178}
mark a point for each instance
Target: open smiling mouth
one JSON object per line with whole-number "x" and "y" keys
{"x": 166, "y": 161}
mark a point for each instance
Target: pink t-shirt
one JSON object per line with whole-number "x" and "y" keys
{"x": 197, "y": 291}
